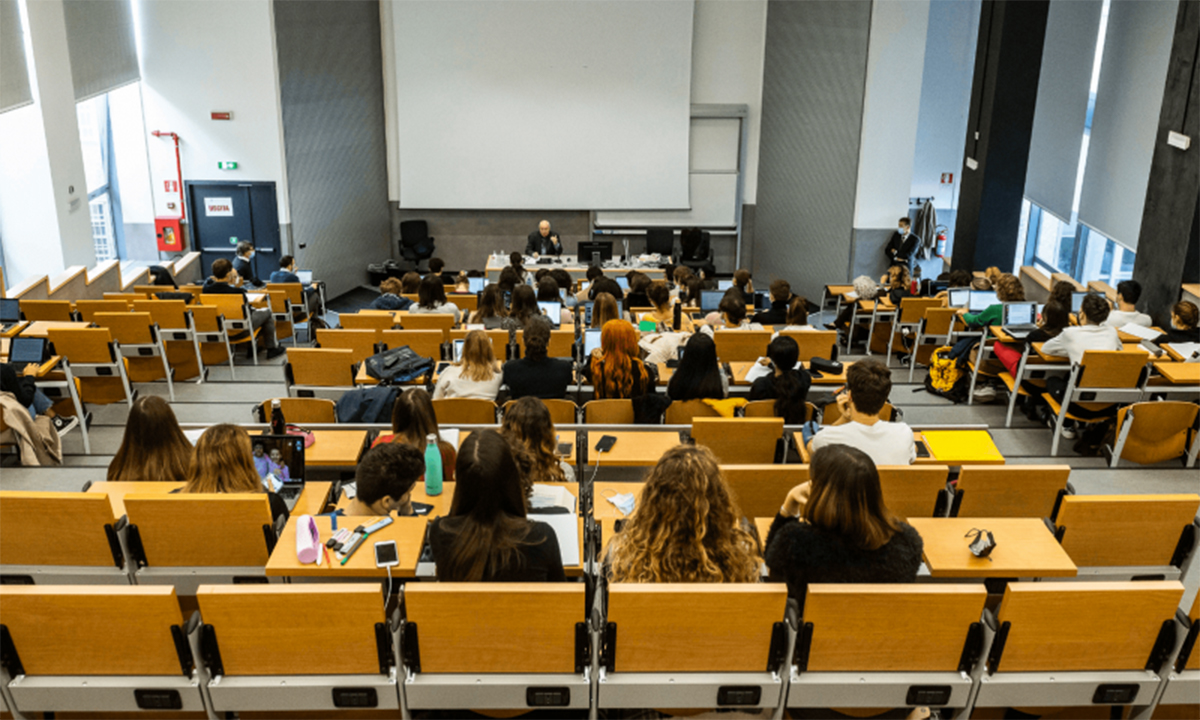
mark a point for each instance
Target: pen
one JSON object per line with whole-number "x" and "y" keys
{"x": 325, "y": 551}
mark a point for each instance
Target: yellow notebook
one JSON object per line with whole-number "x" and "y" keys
{"x": 962, "y": 447}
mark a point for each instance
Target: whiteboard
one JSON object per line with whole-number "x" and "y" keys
{"x": 713, "y": 201}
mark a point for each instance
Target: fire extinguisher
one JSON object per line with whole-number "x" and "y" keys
{"x": 941, "y": 241}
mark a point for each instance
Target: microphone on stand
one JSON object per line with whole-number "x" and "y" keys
{"x": 626, "y": 242}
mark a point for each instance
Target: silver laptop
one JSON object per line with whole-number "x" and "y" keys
{"x": 1020, "y": 319}
{"x": 981, "y": 300}
{"x": 305, "y": 276}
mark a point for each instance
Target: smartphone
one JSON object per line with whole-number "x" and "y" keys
{"x": 386, "y": 554}
{"x": 923, "y": 449}
{"x": 458, "y": 350}
{"x": 606, "y": 443}
{"x": 564, "y": 449}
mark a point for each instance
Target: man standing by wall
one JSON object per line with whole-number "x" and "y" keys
{"x": 902, "y": 245}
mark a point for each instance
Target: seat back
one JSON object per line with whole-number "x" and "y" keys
{"x": 927, "y": 626}
{"x": 832, "y": 413}
{"x": 232, "y": 307}
{"x": 1112, "y": 369}
{"x": 760, "y": 489}
{"x": 83, "y": 345}
{"x": 93, "y": 629}
{"x": 294, "y": 292}
{"x": 681, "y": 413}
{"x": 766, "y": 408}
{"x": 1009, "y": 490}
{"x": 167, "y": 314}
{"x": 1124, "y": 530}
{"x": 127, "y": 328}
{"x": 608, "y": 412}
{"x": 912, "y": 490}
{"x": 88, "y": 308}
{"x": 50, "y": 310}
{"x": 84, "y": 531}
{"x": 1157, "y": 431}
{"x": 366, "y": 321}
{"x": 413, "y": 232}
{"x": 201, "y": 530}
{"x": 561, "y": 342}
{"x": 739, "y": 440}
{"x": 942, "y": 321}
{"x": 206, "y": 318}
{"x": 241, "y": 615}
{"x": 912, "y": 309}
{"x": 1064, "y": 626}
{"x": 562, "y": 412}
{"x": 278, "y": 302}
{"x": 127, "y": 298}
{"x": 302, "y": 411}
{"x": 741, "y": 345}
{"x": 321, "y": 367}
{"x": 814, "y": 343}
{"x": 361, "y": 343}
{"x": 493, "y": 619}
{"x": 427, "y": 321}
{"x": 465, "y": 411}
{"x": 694, "y": 627}
{"x": 426, "y": 343}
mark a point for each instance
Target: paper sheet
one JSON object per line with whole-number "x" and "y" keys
{"x": 566, "y": 528}
{"x": 545, "y": 496}
{"x": 193, "y": 436}
{"x": 449, "y": 435}
{"x": 1140, "y": 331}
{"x": 1185, "y": 349}
{"x": 758, "y": 370}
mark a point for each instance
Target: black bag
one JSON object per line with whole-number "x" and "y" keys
{"x": 398, "y": 365}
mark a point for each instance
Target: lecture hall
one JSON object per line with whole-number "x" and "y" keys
{"x": 587, "y": 359}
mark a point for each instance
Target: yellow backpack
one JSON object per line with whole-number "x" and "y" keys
{"x": 945, "y": 378}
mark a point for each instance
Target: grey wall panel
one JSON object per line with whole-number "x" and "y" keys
{"x": 103, "y": 50}
{"x": 331, "y": 94}
{"x": 14, "y": 75}
{"x": 813, "y": 79}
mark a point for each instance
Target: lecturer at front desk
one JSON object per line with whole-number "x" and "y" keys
{"x": 543, "y": 242}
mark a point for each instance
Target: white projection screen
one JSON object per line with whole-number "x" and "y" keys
{"x": 542, "y": 104}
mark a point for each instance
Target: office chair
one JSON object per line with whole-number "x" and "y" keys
{"x": 415, "y": 243}
{"x": 697, "y": 250}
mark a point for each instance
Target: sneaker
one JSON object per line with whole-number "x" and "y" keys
{"x": 275, "y": 352}
{"x": 984, "y": 394}
{"x": 63, "y": 425}
{"x": 831, "y": 326}
{"x": 1067, "y": 432}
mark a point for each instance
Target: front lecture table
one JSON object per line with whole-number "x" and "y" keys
{"x": 571, "y": 264}
{"x": 1025, "y": 548}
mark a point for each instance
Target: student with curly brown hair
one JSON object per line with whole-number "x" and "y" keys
{"x": 530, "y": 430}
{"x": 686, "y": 527}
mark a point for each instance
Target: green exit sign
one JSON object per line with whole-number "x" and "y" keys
{"x": 226, "y": 165}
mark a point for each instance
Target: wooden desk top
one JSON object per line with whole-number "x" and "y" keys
{"x": 741, "y": 368}
{"x": 335, "y": 448}
{"x": 14, "y": 330}
{"x": 838, "y": 289}
{"x": 43, "y": 370}
{"x": 1179, "y": 373}
{"x": 310, "y": 502}
{"x": 256, "y": 299}
{"x": 408, "y": 532}
{"x": 1025, "y": 547}
{"x": 1134, "y": 339}
{"x": 763, "y": 526}
{"x": 1173, "y": 352}
{"x": 41, "y": 328}
{"x": 602, "y": 509}
{"x": 1126, "y": 347}
{"x": 632, "y": 449}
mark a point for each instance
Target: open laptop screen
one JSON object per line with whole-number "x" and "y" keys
{"x": 279, "y": 460}
{"x": 552, "y": 310}
{"x": 25, "y": 350}
{"x": 981, "y": 300}
{"x": 10, "y": 310}
{"x": 710, "y": 300}
{"x": 959, "y": 297}
{"x": 305, "y": 276}
{"x": 623, "y": 282}
{"x": 476, "y": 285}
{"x": 724, "y": 284}
{"x": 591, "y": 341}
{"x": 1020, "y": 313}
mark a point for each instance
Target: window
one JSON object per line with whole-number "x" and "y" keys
{"x": 95, "y": 138}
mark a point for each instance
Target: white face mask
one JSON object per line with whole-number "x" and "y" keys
{"x": 623, "y": 502}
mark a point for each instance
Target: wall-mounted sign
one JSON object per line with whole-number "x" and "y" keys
{"x": 218, "y": 207}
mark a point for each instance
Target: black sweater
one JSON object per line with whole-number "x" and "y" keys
{"x": 539, "y": 560}
{"x": 799, "y": 553}
{"x": 545, "y": 378}
{"x": 20, "y": 386}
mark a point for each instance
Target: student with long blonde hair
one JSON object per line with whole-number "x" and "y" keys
{"x": 617, "y": 372}
{"x": 604, "y": 308}
{"x": 224, "y": 463}
{"x": 686, "y": 527}
{"x": 153, "y": 448}
{"x": 528, "y": 428}
{"x": 475, "y": 376}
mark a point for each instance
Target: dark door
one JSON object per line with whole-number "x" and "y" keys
{"x": 224, "y": 214}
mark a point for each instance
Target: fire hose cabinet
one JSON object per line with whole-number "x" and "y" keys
{"x": 170, "y": 239}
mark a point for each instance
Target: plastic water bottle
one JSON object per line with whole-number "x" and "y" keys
{"x": 278, "y": 425}
{"x": 433, "y": 466}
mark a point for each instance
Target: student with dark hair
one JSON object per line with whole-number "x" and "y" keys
{"x": 797, "y": 316}
{"x": 699, "y": 375}
{"x": 523, "y": 305}
{"x": 22, "y": 384}
{"x": 585, "y": 292}
{"x": 787, "y": 385}
{"x": 437, "y": 267}
{"x": 510, "y": 279}
{"x": 384, "y": 480}
{"x": 413, "y": 421}
{"x": 607, "y": 285}
{"x": 491, "y": 313}
{"x": 742, "y": 283}
{"x": 515, "y": 260}
{"x": 663, "y": 313}
{"x": 836, "y": 528}
{"x": 487, "y": 535}
{"x": 241, "y": 263}
{"x": 1128, "y": 293}
{"x": 902, "y": 244}
{"x": 431, "y": 298}
{"x": 781, "y": 295}
{"x": 1184, "y": 318}
{"x": 638, "y": 283}
{"x": 1062, "y": 291}
{"x": 410, "y": 283}
{"x": 287, "y": 274}
{"x": 389, "y": 296}
{"x": 566, "y": 286}
{"x": 153, "y": 447}
{"x": 547, "y": 292}
{"x": 868, "y": 384}
{"x": 1090, "y": 334}
{"x": 1054, "y": 319}
{"x": 732, "y": 309}
{"x": 223, "y": 282}
{"x": 536, "y": 374}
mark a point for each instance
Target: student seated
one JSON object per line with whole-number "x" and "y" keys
{"x": 384, "y": 481}
{"x": 837, "y": 529}
{"x": 787, "y": 385}
{"x": 224, "y": 282}
{"x": 431, "y": 298}
{"x": 536, "y": 374}
{"x": 663, "y": 314}
{"x": 605, "y": 308}
{"x": 777, "y": 314}
{"x": 547, "y": 292}
{"x": 1184, "y": 318}
{"x": 287, "y": 274}
{"x": 594, "y": 272}
{"x": 241, "y": 263}
{"x": 475, "y": 376}
{"x": 530, "y": 431}
{"x": 1090, "y": 334}
{"x": 1054, "y": 319}
{"x": 797, "y": 316}
{"x": 1008, "y": 289}
{"x": 733, "y": 314}
{"x": 436, "y": 268}
{"x": 462, "y": 283}
{"x": 897, "y": 284}
{"x": 685, "y": 528}
{"x": 866, "y": 289}
{"x": 389, "y": 298}
{"x": 608, "y": 285}
{"x": 410, "y": 283}
{"x": 224, "y": 463}
{"x": 514, "y": 261}
{"x": 487, "y": 536}
{"x": 523, "y": 306}
{"x": 868, "y": 384}
{"x": 509, "y": 280}
{"x": 491, "y": 313}
{"x": 699, "y": 375}
{"x": 638, "y": 283}
{"x": 153, "y": 447}
{"x": 413, "y": 421}
{"x": 566, "y": 286}
{"x": 1128, "y": 293}
{"x": 955, "y": 279}
{"x": 743, "y": 283}
{"x": 24, "y": 388}
{"x": 1063, "y": 292}
{"x": 616, "y": 372}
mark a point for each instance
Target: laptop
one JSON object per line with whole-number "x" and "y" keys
{"x": 981, "y": 300}
{"x": 23, "y": 351}
{"x": 10, "y": 312}
{"x": 762, "y": 300}
{"x": 553, "y": 312}
{"x": 623, "y": 282}
{"x": 476, "y": 285}
{"x": 591, "y": 341}
{"x": 305, "y": 276}
{"x": 279, "y": 460}
{"x": 710, "y": 300}
{"x": 723, "y": 285}
{"x": 1077, "y": 300}
{"x": 1020, "y": 319}
{"x": 958, "y": 297}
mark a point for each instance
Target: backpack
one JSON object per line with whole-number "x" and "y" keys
{"x": 398, "y": 365}
{"x": 946, "y": 378}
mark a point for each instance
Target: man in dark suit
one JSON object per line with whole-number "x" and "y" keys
{"x": 902, "y": 245}
{"x": 543, "y": 241}
{"x": 243, "y": 266}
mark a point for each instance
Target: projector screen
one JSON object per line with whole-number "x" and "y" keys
{"x": 541, "y": 105}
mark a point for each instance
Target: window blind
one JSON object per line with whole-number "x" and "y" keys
{"x": 14, "y": 73}
{"x": 1061, "y": 110}
{"x": 101, "y": 41}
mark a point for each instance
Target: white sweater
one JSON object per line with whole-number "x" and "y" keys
{"x": 1073, "y": 342}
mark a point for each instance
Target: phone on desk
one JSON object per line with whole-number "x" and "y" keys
{"x": 564, "y": 448}
{"x": 923, "y": 450}
{"x": 605, "y": 443}
{"x": 386, "y": 554}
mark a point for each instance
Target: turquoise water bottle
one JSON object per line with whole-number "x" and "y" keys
{"x": 433, "y": 466}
